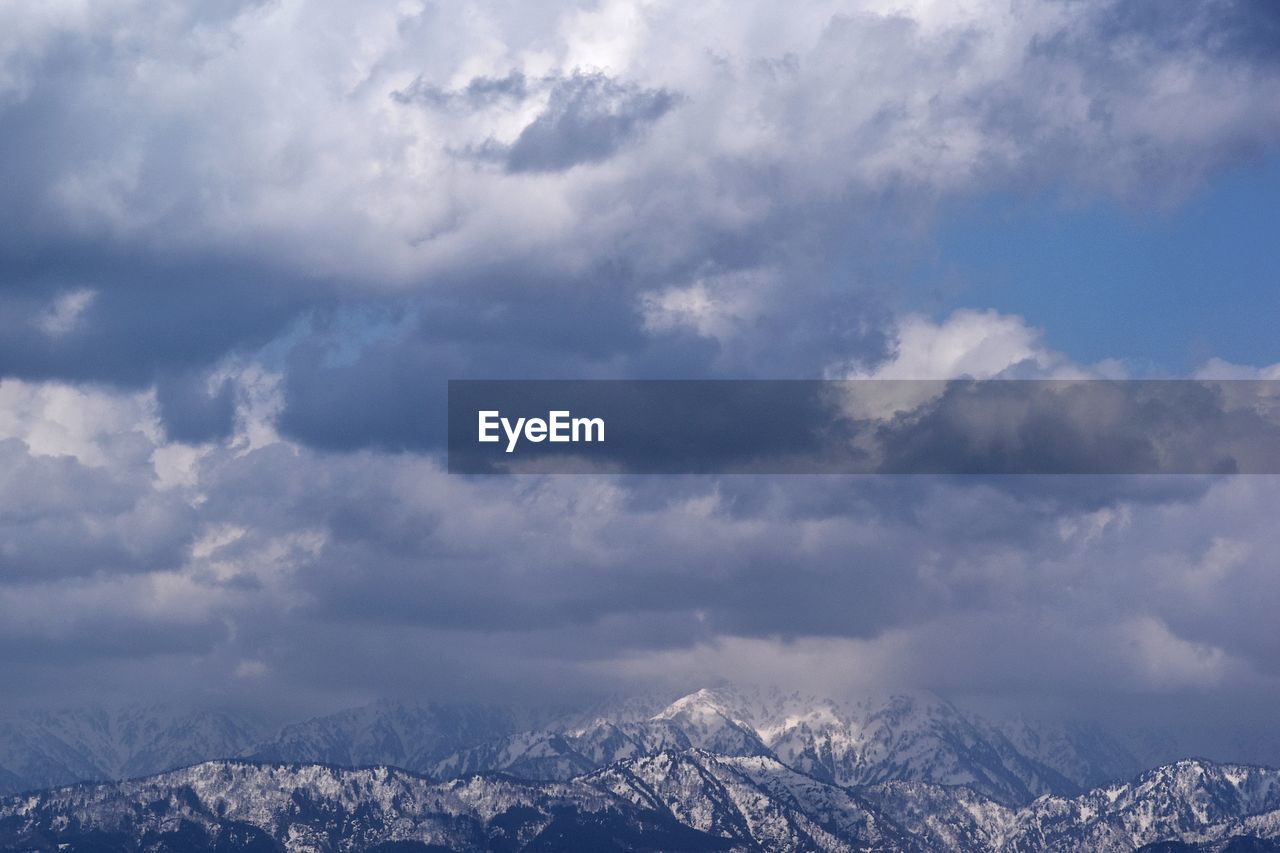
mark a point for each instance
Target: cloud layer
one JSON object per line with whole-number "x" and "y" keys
{"x": 243, "y": 245}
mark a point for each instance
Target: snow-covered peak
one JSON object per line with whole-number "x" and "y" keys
{"x": 705, "y": 704}
{"x": 714, "y": 720}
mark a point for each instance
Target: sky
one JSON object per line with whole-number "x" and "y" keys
{"x": 243, "y": 245}
{"x": 1163, "y": 290}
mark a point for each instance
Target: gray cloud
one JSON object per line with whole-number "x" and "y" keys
{"x": 587, "y": 119}
{"x": 269, "y": 234}
{"x": 293, "y": 550}
{"x": 210, "y": 212}
{"x": 480, "y": 92}
{"x": 196, "y": 414}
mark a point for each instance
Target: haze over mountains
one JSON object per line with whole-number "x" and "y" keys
{"x": 40, "y": 749}
{"x": 912, "y": 737}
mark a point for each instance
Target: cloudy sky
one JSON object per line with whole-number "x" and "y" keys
{"x": 244, "y": 244}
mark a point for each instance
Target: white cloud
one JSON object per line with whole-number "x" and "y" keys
{"x": 967, "y": 344}
{"x": 58, "y": 419}
{"x": 66, "y": 313}
{"x": 273, "y": 132}
{"x": 791, "y": 582}
{"x": 1217, "y": 368}
{"x": 251, "y": 669}
{"x": 274, "y": 129}
{"x": 716, "y": 306}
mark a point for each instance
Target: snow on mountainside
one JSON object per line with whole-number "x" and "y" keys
{"x": 904, "y": 736}
{"x": 752, "y": 800}
{"x": 917, "y": 737}
{"x": 560, "y": 755}
{"x": 716, "y": 721}
{"x": 908, "y": 736}
{"x": 1189, "y": 800}
{"x": 39, "y": 749}
{"x": 528, "y": 755}
{"x": 1193, "y": 802}
{"x": 246, "y": 806}
{"x": 691, "y": 800}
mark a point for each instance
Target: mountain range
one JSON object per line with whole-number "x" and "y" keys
{"x": 40, "y": 749}
{"x": 716, "y": 769}
{"x": 691, "y": 800}
{"x": 904, "y": 736}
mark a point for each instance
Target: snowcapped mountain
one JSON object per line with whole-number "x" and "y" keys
{"x": 247, "y": 806}
{"x": 691, "y": 800}
{"x": 715, "y": 720}
{"x": 40, "y": 749}
{"x": 754, "y": 801}
{"x": 906, "y": 737}
{"x": 913, "y": 736}
{"x": 556, "y": 754}
{"x": 1189, "y": 802}
{"x": 899, "y": 737}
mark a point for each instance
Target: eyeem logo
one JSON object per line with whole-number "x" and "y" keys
{"x": 558, "y": 427}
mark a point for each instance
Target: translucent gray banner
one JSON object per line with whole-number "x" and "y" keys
{"x": 1041, "y": 427}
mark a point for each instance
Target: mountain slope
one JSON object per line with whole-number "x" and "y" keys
{"x": 752, "y": 800}
{"x": 246, "y": 806}
{"x": 1189, "y": 802}
{"x": 401, "y": 734}
{"x": 915, "y": 737}
{"x": 46, "y": 748}
{"x": 909, "y": 737}
{"x": 691, "y": 800}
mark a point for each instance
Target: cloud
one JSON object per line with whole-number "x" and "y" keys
{"x": 224, "y": 179}
{"x": 195, "y": 414}
{"x": 244, "y": 244}
{"x": 247, "y": 133}
{"x": 66, "y": 312}
{"x": 587, "y": 119}
{"x": 972, "y": 344}
{"x": 270, "y": 553}
{"x": 478, "y": 93}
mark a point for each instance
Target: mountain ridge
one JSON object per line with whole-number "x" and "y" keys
{"x": 690, "y": 800}
{"x": 914, "y": 736}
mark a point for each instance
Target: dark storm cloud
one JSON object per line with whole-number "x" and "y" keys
{"x": 477, "y": 94}
{"x": 1098, "y": 427}
{"x": 975, "y": 427}
{"x": 293, "y": 551}
{"x": 284, "y": 199}
{"x": 113, "y": 178}
{"x": 60, "y": 518}
{"x": 100, "y": 641}
{"x": 393, "y": 560}
{"x": 401, "y": 550}
{"x": 391, "y": 394}
{"x": 194, "y": 414}
{"x": 1233, "y": 30}
{"x": 145, "y": 316}
{"x": 588, "y": 118}
{"x": 553, "y": 563}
